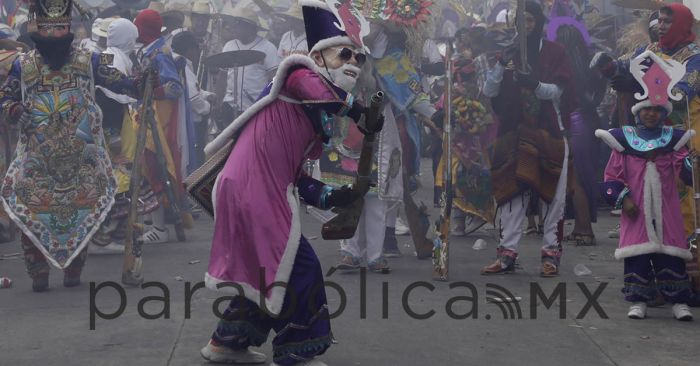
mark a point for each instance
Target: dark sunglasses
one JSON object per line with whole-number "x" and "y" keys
{"x": 347, "y": 54}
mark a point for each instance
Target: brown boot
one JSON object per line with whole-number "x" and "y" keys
{"x": 497, "y": 267}
{"x": 549, "y": 269}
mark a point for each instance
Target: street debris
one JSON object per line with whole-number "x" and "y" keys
{"x": 479, "y": 244}
{"x": 10, "y": 255}
{"x": 582, "y": 270}
{"x": 501, "y": 300}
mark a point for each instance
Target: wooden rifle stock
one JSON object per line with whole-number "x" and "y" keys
{"x": 441, "y": 253}
{"x": 131, "y": 271}
{"x": 344, "y": 225}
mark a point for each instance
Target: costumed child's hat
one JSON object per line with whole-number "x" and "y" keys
{"x": 658, "y": 77}
{"x": 333, "y": 23}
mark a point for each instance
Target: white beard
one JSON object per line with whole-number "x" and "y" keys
{"x": 339, "y": 78}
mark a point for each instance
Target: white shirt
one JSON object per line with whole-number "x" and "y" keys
{"x": 431, "y": 54}
{"x": 431, "y": 51}
{"x": 291, "y": 44}
{"x": 252, "y": 79}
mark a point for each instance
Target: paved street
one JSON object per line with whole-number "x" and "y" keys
{"x": 53, "y": 328}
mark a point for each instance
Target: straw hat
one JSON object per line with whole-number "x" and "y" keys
{"x": 181, "y": 7}
{"x": 293, "y": 12}
{"x": 201, "y": 7}
{"x": 101, "y": 31}
{"x": 241, "y": 13}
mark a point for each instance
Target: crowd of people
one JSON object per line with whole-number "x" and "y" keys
{"x": 283, "y": 89}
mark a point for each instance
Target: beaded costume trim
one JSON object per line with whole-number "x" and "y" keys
{"x": 642, "y": 145}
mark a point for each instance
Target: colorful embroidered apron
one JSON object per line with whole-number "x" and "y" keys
{"x": 60, "y": 186}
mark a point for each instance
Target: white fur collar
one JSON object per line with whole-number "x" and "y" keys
{"x": 238, "y": 123}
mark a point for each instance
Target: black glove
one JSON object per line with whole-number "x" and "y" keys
{"x": 527, "y": 81}
{"x": 376, "y": 129}
{"x": 625, "y": 83}
{"x": 508, "y": 55}
{"x": 357, "y": 112}
{"x": 343, "y": 196}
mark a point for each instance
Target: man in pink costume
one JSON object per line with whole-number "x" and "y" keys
{"x": 640, "y": 178}
{"x": 257, "y": 236}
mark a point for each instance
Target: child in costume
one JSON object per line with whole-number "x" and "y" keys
{"x": 640, "y": 178}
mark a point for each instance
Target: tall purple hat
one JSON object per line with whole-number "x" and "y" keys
{"x": 333, "y": 23}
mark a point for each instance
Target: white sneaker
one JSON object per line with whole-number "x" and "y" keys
{"x": 155, "y": 236}
{"x": 111, "y": 248}
{"x": 217, "y": 354}
{"x": 682, "y": 312}
{"x": 401, "y": 228}
{"x": 638, "y": 311}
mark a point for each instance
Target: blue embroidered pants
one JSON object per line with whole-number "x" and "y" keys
{"x": 646, "y": 274}
{"x": 303, "y": 328}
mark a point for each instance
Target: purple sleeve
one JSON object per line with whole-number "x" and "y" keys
{"x": 313, "y": 192}
{"x": 683, "y": 164}
{"x": 614, "y": 187}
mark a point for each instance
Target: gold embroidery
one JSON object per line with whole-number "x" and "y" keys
{"x": 694, "y": 80}
{"x": 681, "y": 56}
{"x": 106, "y": 59}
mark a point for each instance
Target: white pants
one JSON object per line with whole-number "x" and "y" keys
{"x": 513, "y": 213}
{"x": 369, "y": 237}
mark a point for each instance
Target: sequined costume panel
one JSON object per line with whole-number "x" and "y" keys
{"x": 60, "y": 186}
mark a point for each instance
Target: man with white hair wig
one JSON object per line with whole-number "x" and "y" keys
{"x": 257, "y": 235}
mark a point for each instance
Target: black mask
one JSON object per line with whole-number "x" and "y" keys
{"x": 55, "y": 51}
